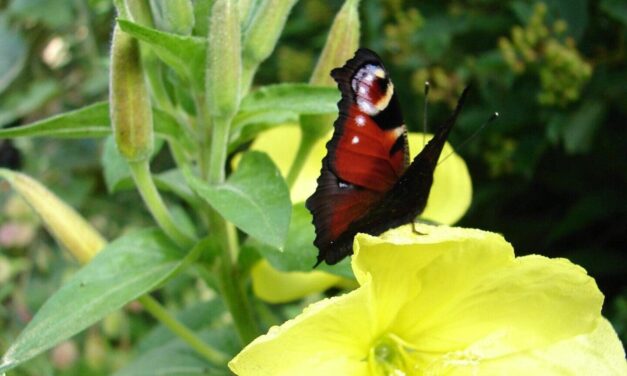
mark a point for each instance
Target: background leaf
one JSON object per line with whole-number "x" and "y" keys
{"x": 299, "y": 253}
{"x": 124, "y": 270}
{"x": 12, "y": 53}
{"x": 176, "y": 358}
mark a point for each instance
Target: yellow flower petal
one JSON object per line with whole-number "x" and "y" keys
{"x": 330, "y": 337}
{"x": 401, "y": 257}
{"x": 597, "y": 353}
{"x": 533, "y": 302}
{"x": 452, "y": 302}
{"x": 451, "y": 192}
{"x": 275, "y": 286}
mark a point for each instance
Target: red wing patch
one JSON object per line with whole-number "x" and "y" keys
{"x": 368, "y": 152}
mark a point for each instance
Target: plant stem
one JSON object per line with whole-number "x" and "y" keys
{"x": 229, "y": 281}
{"x": 155, "y": 309}
{"x": 304, "y": 149}
{"x": 146, "y": 186}
{"x": 219, "y": 144}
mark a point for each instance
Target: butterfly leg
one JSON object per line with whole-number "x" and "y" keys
{"x": 415, "y": 230}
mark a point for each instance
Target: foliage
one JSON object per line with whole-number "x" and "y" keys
{"x": 549, "y": 174}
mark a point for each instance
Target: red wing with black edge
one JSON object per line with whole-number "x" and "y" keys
{"x": 365, "y": 184}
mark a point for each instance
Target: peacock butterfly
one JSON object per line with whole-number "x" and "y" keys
{"x": 366, "y": 183}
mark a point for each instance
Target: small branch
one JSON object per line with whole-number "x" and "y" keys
{"x": 154, "y": 202}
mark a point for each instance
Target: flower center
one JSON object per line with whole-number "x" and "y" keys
{"x": 390, "y": 356}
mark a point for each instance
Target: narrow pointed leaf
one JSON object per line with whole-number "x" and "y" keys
{"x": 255, "y": 198}
{"x": 299, "y": 98}
{"x": 92, "y": 121}
{"x": 124, "y": 270}
{"x": 89, "y": 121}
{"x": 185, "y": 54}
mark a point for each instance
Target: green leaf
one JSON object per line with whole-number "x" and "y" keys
{"x": 124, "y": 270}
{"x": 13, "y": 53}
{"x": 298, "y": 98}
{"x": 117, "y": 174}
{"x": 616, "y": 9}
{"x": 255, "y": 198}
{"x": 54, "y": 14}
{"x": 23, "y": 102}
{"x": 185, "y": 54}
{"x": 93, "y": 121}
{"x": 299, "y": 253}
{"x": 89, "y": 121}
{"x": 174, "y": 182}
{"x": 176, "y": 358}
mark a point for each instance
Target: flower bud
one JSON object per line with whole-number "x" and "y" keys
{"x": 131, "y": 114}
{"x": 340, "y": 46}
{"x": 64, "y": 223}
{"x": 175, "y": 16}
{"x": 262, "y": 34}
{"x": 224, "y": 64}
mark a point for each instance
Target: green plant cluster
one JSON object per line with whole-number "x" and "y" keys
{"x": 547, "y": 51}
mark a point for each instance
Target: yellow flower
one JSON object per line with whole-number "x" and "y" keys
{"x": 453, "y": 302}
{"x": 449, "y": 199}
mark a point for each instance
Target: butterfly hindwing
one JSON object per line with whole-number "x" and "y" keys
{"x": 367, "y": 153}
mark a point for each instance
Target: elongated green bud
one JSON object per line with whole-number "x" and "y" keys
{"x": 71, "y": 230}
{"x": 175, "y": 16}
{"x": 262, "y": 34}
{"x": 131, "y": 114}
{"x": 224, "y": 65}
{"x": 340, "y": 46}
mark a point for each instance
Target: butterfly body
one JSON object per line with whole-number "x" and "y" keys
{"x": 366, "y": 183}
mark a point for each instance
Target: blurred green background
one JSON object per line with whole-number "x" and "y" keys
{"x": 550, "y": 174}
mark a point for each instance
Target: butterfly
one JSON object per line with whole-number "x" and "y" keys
{"x": 367, "y": 183}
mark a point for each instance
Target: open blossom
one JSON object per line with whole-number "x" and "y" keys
{"x": 452, "y": 302}
{"x": 449, "y": 199}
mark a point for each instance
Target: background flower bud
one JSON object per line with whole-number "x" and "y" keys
{"x": 224, "y": 64}
{"x": 131, "y": 114}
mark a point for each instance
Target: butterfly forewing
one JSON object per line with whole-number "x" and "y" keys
{"x": 367, "y": 154}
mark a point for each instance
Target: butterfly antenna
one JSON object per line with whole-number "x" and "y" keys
{"x": 493, "y": 117}
{"x": 424, "y": 118}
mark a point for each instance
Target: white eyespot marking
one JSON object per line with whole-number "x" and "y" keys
{"x": 355, "y": 140}
{"x": 366, "y": 106}
{"x": 342, "y": 185}
{"x": 365, "y": 85}
{"x": 360, "y": 120}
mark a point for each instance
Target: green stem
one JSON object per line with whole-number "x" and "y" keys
{"x": 219, "y": 146}
{"x": 155, "y": 309}
{"x": 229, "y": 281}
{"x": 203, "y": 133}
{"x": 304, "y": 149}
{"x": 146, "y": 186}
